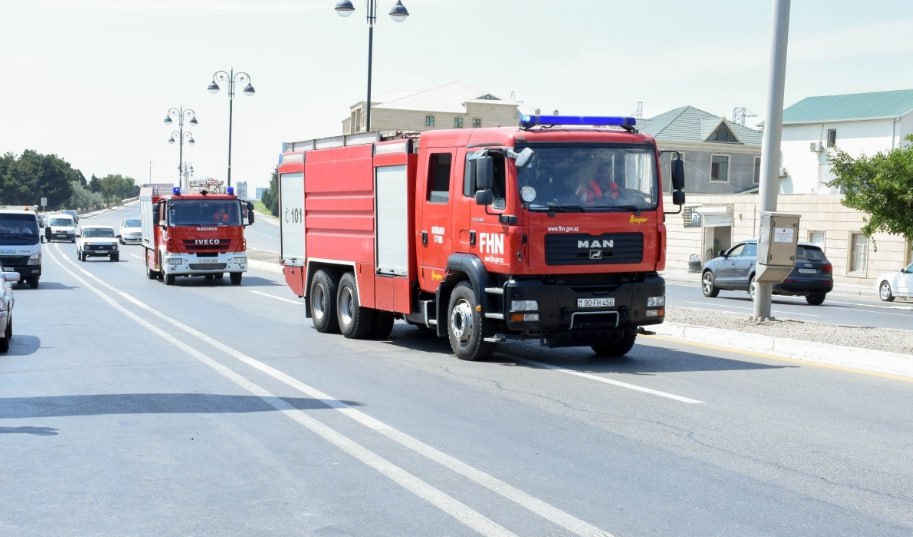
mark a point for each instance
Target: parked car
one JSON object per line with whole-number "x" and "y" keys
{"x": 130, "y": 231}
{"x": 97, "y": 241}
{"x": 6, "y": 307}
{"x": 734, "y": 269}
{"x": 894, "y": 284}
{"x": 60, "y": 227}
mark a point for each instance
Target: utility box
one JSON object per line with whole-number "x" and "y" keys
{"x": 777, "y": 246}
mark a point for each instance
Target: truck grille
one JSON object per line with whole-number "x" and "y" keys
{"x": 605, "y": 249}
{"x": 14, "y": 260}
{"x": 224, "y": 245}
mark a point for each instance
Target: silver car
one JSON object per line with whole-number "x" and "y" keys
{"x": 130, "y": 231}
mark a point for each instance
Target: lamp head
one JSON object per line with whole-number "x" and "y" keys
{"x": 344, "y": 8}
{"x": 249, "y": 90}
{"x": 193, "y": 121}
{"x": 399, "y": 12}
{"x": 213, "y": 87}
{"x": 168, "y": 120}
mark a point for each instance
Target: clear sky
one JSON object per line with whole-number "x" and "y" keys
{"x": 91, "y": 80}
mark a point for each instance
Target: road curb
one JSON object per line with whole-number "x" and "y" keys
{"x": 874, "y": 361}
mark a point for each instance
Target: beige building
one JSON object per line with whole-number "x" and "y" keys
{"x": 450, "y": 106}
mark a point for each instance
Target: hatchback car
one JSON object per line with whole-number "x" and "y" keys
{"x": 734, "y": 269}
{"x": 97, "y": 241}
{"x": 895, "y": 284}
{"x": 130, "y": 231}
{"x": 6, "y": 307}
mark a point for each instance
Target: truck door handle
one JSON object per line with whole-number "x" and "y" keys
{"x": 424, "y": 238}
{"x": 472, "y": 237}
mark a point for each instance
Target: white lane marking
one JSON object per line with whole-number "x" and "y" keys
{"x": 740, "y": 309}
{"x": 274, "y": 297}
{"x": 533, "y": 504}
{"x": 611, "y": 382}
{"x": 446, "y": 503}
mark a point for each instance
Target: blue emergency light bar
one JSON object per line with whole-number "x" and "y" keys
{"x": 231, "y": 191}
{"x": 527, "y": 121}
{"x": 176, "y": 191}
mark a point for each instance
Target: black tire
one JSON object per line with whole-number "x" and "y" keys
{"x": 7, "y": 336}
{"x": 33, "y": 282}
{"x": 383, "y": 325}
{"x": 169, "y": 279}
{"x": 884, "y": 292}
{"x": 115, "y": 258}
{"x": 752, "y": 287}
{"x": 707, "y": 286}
{"x": 355, "y": 321}
{"x": 235, "y": 277}
{"x": 322, "y": 301}
{"x": 620, "y": 345}
{"x": 82, "y": 256}
{"x": 815, "y": 300}
{"x": 466, "y": 328}
{"x": 149, "y": 272}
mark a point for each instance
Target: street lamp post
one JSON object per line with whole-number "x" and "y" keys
{"x": 399, "y": 13}
{"x": 231, "y": 77}
{"x": 181, "y": 115}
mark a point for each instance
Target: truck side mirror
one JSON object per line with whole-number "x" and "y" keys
{"x": 484, "y": 173}
{"x": 678, "y": 174}
{"x": 250, "y": 213}
{"x": 484, "y": 197}
{"x": 678, "y": 197}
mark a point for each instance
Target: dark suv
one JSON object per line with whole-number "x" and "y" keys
{"x": 734, "y": 269}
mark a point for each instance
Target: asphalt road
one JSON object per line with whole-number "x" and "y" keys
{"x": 128, "y": 407}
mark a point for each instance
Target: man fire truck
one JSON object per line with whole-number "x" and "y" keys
{"x": 481, "y": 235}
{"x": 197, "y": 233}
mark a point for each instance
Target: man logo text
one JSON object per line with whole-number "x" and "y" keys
{"x": 595, "y": 243}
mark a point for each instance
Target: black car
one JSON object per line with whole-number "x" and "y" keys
{"x": 734, "y": 269}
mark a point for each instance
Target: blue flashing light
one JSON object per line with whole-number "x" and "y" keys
{"x": 231, "y": 191}
{"x": 527, "y": 121}
{"x": 176, "y": 191}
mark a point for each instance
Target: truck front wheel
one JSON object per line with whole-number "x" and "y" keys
{"x": 322, "y": 297}
{"x": 618, "y": 345}
{"x": 355, "y": 321}
{"x": 235, "y": 277}
{"x": 466, "y": 327}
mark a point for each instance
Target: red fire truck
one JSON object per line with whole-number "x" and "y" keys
{"x": 197, "y": 233}
{"x": 481, "y": 235}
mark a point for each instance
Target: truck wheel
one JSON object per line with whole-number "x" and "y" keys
{"x": 169, "y": 279}
{"x": 383, "y": 325}
{"x": 33, "y": 282}
{"x": 466, "y": 327}
{"x": 707, "y": 287}
{"x": 619, "y": 345}
{"x": 322, "y": 297}
{"x": 235, "y": 277}
{"x": 355, "y": 321}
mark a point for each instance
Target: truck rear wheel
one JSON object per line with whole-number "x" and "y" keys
{"x": 355, "y": 321}
{"x": 322, "y": 298}
{"x": 466, "y": 327}
{"x": 618, "y": 345}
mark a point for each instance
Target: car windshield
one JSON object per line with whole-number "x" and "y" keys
{"x": 131, "y": 222}
{"x": 204, "y": 213}
{"x": 61, "y": 222}
{"x": 584, "y": 177}
{"x": 98, "y": 232}
{"x": 809, "y": 253}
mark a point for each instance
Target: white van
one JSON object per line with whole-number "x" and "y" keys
{"x": 20, "y": 244}
{"x": 60, "y": 226}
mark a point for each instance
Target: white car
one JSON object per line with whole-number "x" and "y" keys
{"x": 6, "y": 307}
{"x": 131, "y": 231}
{"x": 894, "y": 284}
{"x": 97, "y": 241}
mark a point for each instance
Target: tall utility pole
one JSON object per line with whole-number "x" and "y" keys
{"x": 773, "y": 127}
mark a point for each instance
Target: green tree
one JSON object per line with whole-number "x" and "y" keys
{"x": 84, "y": 199}
{"x": 271, "y": 195}
{"x": 881, "y": 185}
{"x": 24, "y": 180}
{"x": 114, "y": 188}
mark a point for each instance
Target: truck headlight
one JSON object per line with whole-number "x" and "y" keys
{"x": 34, "y": 259}
{"x": 524, "y": 305}
{"x": 656, "y": 301}
{"x": 174, "y": 260}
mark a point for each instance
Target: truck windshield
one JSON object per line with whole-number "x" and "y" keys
{"x": 204, "y": 213}
{"x": 18, "y": 229}
{"x": 584, "y": 177}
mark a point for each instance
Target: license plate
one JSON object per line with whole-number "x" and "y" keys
{"x": 595, "y": 302}
{"x": 807, "y": 271}
{"x": 209, "y": 261}
{"x": 7, "y": 269}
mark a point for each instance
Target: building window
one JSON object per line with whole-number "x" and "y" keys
{"x": 817, "y": 238}
{"x": 719, "y": 168}
{"x": 429, "y": 121}
{"x": 832, "y": 137}
{"x": 439, "y": 178}
{"x": 757, "y": 170}
{"x": 476, "y": 123}
{"x": 457, "y": 123}
{"x": 859, "y": 247}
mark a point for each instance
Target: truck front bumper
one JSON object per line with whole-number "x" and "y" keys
{"x": 193, "y": 265}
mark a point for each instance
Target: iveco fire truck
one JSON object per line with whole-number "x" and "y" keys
{"x": 481, "y": 235}
{"x": 194, "y": 233}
